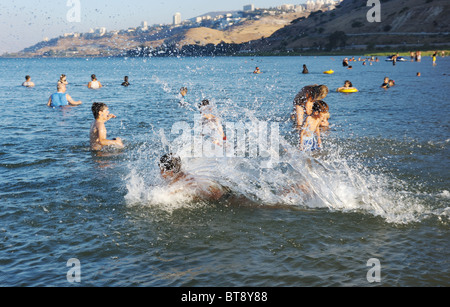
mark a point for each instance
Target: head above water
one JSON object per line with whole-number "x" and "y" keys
{"x": 324, "y": 108}
{"x": 27, "y": 78}
{"x": 98, "y": 107}
{"x": 317, "y": 107}
{"x": 205, "y": 102}
{"x": 321, "y": 92}
{"x": 170, "y": 163}
{"x": 93, "y": 77}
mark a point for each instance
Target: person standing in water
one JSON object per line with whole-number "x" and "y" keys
{"x": 211, "y": 122}
{"x": 125, "y": 82}
{"x": 28, "y": 82}
{"x": 94, "y": 84}
{"x": 304, "y": 102}
{"x": 324, "y": 113}
{"x": 98, "y": 131}
{"x": 310, "y": 139}
{"x": 63, "y": 80}
{"x": 305, "y": 69}
{"x": 61, "y": 99}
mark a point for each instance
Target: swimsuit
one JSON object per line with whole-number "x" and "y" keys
{"x": 59, "y": 100}
{"x": 95, "y": 85}
{"x": 310, "y": 143}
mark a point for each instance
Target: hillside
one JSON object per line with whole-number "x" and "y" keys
{"x": 117, "y": 44}
{"x": 403, "y": 22}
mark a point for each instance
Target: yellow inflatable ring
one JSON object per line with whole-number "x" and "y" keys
{"x": 348, "y": 90}
{"x": 329, "y": 72}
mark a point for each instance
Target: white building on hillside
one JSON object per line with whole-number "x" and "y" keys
{"x": 177, "y": 19}
{"x": 250, "y": 7}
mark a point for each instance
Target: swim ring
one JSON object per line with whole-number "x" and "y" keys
{"x": 348, "y": 90}
{"x": 329, "y": 72}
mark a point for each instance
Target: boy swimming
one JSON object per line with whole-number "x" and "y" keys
{"x": 98, "y": 130}
{"x": 171, "y": 171}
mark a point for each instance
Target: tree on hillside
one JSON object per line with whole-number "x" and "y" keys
{"x": 337, "y": 39}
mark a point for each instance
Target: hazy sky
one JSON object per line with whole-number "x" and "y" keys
{"x": 26, "y": 22}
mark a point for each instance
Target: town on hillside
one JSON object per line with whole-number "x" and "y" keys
{"x": 219, "y": 21}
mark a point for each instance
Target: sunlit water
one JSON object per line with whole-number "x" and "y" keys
{"x": 379, "y": 189}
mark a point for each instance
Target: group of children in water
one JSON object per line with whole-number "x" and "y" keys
{"x": 310, "y": 111}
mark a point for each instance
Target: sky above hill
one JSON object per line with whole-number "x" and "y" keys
{"x": 26, "y": 22}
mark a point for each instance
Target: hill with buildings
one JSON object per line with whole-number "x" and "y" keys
{"x": 214, "y": 28}
{"x": 318, "y": 25}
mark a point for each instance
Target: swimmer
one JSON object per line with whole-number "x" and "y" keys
{"x": 347, "y": 85}
{"x": 305, "y": 70}
{"x": 211, "y": 121}
{"x": 345, "y": 62}
{"x": 171, "y": 171}
{"x": 28, "y": 82}
{"x": 125, "y": 82}
{"x": 310, "y": 139}
{"x": 183, "y": 91}
{"x": 94, "y": 84}
{"x": 61, "y": 99}
{"x": 386, "y": 83}
{"x": 304, "y": 101}
{"x": 63, "y": 80}
{"x": 98, "y": 130}
{"x": 391, "y": 83}
{"x": 418, "y": 74}
{"x": 324, "y": 113}
{"x": 257, "y": 71}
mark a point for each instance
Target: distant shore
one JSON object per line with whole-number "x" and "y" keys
{"x": 426, "y": 51}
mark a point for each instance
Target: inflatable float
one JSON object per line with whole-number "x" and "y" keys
{"x": 348, "y": 90}
{"x": 329, "y": 72}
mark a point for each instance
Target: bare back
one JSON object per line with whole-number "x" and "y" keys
{"x": 97, "y": 128}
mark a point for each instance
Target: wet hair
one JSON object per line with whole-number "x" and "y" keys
{"x": 317, "y": 107}
{"x": 324, "y": 108}
{"x": 97, "y": 107}
{"x": 205, "y": 102}
{"x": 170, "y": 163}
{"x": 320, "y": 92}
{"x": 93, "y": 77}
{"x": 27, "y": 77}
{"x": 347, "y": 81}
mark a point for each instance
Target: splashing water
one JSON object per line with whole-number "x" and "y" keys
{"x": 329, "y": 180}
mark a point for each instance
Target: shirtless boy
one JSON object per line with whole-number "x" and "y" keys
{"x": 311, "y": 130}
{"x": 98, "y": 130}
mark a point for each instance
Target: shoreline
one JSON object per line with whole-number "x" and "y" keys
{"x": 402, "y": 51}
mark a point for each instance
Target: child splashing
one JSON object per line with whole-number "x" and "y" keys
{"x": 311, "y": 130}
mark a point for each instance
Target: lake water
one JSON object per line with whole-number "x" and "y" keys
{"x": 380, "y": 187}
